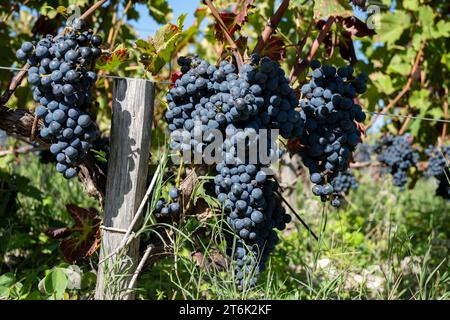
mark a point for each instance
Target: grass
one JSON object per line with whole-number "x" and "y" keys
{"x": 383, "y": 244}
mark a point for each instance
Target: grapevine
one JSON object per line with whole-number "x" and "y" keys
{"x": 398, "y": 155}
{"x": 438, "y": 167}
{"x": 238, "y": 106}
{"x": 331, "y": 133}
{"x": 61, "y": 81}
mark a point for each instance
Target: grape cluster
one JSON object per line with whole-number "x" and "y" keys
{"x": 166, "y": 209}
{"x": 362, "y": 153}
{"x": 238, "y": 105}
{"x": 343, "y": 182}
{"x": 331, "y": 133}
{"x": 438, "y": 167}
{"x": 247, "y": 195}
{"x": 398, "y": 154}
{"x": 62, "y": 80}
{"x": 207, "y": 97}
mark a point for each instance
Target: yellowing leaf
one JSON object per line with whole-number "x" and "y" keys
{"x": 326, "y": 8}
{"x": 110, "y": 62}
{"x": 160, "y": 49}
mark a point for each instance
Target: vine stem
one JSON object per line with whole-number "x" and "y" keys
{"x": 120, "y": 23}
{"x": 17, "y": 80}
{"x": 296, "y": 214}
{"x": 223, "y": 27}
{"x": 404, "y": 126}
{"x": 302, "y": 42}
{"x": 92, "y": 9}
{"x": 404, "y": 90}
{"x": 271, "y": 26}
{"x": 303, "y": 63}
{"x": 444, "y": 127}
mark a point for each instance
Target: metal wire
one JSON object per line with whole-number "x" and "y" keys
{"x": 366, "y": 112}
{"x": 101, "y": 76}
{"x": 406, "y": 117}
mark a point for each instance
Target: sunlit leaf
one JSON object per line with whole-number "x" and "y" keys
{"x": 110, "y": 62}
{"x": 160, "y": 10}
{"x": 392, "y": 26}
{"x": 323, "y": 9}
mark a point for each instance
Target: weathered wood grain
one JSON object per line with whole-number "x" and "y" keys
{"x": 133, "y": 102}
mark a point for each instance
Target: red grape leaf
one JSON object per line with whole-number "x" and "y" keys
{"x": 234, "y": 20}
{"x": 355, "y": 26}
{"x": 82, "y": 238}
{"x": 58, "y": 233}
{"x": 229, "y": 19}
{"x": 175, "y": 76}
{"x": 242, "y": 9}
{"x": 346, "y": 47}
{"x": 274, "y": 48}
{"x": 241, "y": 43}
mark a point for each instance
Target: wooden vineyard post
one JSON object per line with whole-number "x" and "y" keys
{"x": 132, "y": 113}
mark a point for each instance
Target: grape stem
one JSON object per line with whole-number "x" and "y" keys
{"x": 302, "y": 64}
{"x": 237, "y": 55}
{"x": 404, "y": 90}
{"x": 92, "y": 9}
{"x": 296, "y": 214}
{"x": 271, "y": 26}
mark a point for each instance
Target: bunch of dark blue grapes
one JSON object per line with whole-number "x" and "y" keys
{"x": 343, "y": 182}
{"x": 62, "y": 79}
{"x": 331, "y": 131}
{"x": 248, "y": 197}
{"x": 238, "y": 105}
{"x": 164, "y": 209}
{"x": 362, "y": 153}
{"x": 213, "y": 97}
{"x": 439, "y": 167}
{"x": 398, "y": 155}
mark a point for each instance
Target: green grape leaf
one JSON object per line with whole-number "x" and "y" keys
{"x": 441, "y": 30}
{"x": 399, "y": 65}
{"x": 426, "y": 17}
{"x": 420, "y": 100}
{"x": 412, "y": 5}
{"x": 326, "y": 8}
{"x": 160, "y": 10}
{"x": 55, "y": 282}
{"x": 145, "y": 46}
{"x": 49, "y": 11}
{"x": 392, "y": 26}
{"x": 159, "y": 50}
{"x": 383, "y": 82}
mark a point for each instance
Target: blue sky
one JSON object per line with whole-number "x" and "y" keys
{"x": 147, "y": 26}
